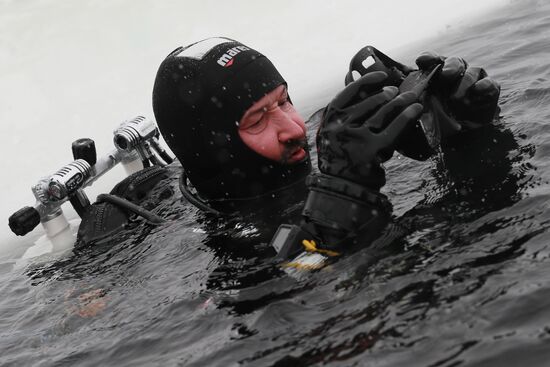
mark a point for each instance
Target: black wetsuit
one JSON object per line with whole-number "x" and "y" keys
{"x": 157, "y": 189}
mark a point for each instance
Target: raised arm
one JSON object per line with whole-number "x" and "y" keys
{"x": 358, "y": 132}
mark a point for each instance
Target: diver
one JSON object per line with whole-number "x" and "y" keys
{"x": 225, "y": 112}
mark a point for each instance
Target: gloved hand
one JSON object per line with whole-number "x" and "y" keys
{"x": 360, "y": 127}
{"x": 466, "y": 93}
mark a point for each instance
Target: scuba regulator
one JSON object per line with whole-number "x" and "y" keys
{"x": 137, "y": 146}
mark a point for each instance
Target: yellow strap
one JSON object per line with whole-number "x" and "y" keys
{"x": 311, "y": 246}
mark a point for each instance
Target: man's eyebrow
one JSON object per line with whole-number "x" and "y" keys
{"x": 260, "y": 108}
{"x": 252, "y": 112}
{"x": 255, "y": 110}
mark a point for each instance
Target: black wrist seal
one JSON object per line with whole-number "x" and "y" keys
{"x": 341, "y": 210}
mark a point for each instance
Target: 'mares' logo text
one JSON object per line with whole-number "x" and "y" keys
{"x": 226, "y": 60}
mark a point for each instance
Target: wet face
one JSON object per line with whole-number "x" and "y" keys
{"x": 273, "y": 128}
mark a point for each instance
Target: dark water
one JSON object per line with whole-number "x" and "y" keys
{"x": 467, "y": 284}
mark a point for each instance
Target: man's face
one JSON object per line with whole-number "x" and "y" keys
{"x": 273, "y": 128}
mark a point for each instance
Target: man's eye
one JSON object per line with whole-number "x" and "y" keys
{"x": 257, "y": 127}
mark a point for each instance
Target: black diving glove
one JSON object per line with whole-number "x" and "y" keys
{"x": 359, "y": 129}
{"x": 464, "y": 94}
{"x": 357, "y": 133}
{"x": 458, "y": 98}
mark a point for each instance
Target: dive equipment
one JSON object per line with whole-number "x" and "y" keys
{"x": 141, "y": 135}
{"x": 24, "y": 220}
{"x": 288, "y": 239}
{"x": 84, "y": 149}
{"x": 128, "y": 205}
{"x": 63, "y": 183}
{"x": 193, "y": 198}
{"x": 136, "y": 142}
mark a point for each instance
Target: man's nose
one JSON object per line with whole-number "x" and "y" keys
{"x": 288, "y": 129}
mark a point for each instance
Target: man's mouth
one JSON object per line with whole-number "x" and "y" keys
{"x": 294, "y": 152}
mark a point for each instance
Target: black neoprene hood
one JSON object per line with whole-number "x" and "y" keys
{"x": 201, "y": 92}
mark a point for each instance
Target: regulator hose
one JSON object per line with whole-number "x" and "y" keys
{"x": 128, "y": 205}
